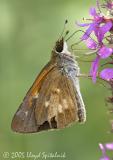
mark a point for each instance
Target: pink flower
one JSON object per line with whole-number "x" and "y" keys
{"x": 98, "y": 25}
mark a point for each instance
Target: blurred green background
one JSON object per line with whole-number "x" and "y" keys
{"x": 28, "y": 31}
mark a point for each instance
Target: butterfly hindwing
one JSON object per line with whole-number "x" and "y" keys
{"x": 73, "y": 76}
{"x": 56, "y": 106}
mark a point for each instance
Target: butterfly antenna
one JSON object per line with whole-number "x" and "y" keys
{"x": 76, "y": 43}
{"x": 81, "y": 39}
{"x": 73, "y": 34}
{"x": 66, "y": 33}
{"x": 66, "y": 21}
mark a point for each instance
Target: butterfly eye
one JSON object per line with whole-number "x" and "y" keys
{"x": 59, "y": 45}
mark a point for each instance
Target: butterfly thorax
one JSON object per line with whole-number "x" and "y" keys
{"x": 63, "y": 58}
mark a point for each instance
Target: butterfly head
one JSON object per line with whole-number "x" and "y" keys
{"x": 61, "y": 47}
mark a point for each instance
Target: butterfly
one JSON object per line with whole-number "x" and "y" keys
{"x": 54, "y": 101}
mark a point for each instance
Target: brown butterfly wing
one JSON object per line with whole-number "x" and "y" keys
{"x": 24, "y": 119}
{"x": 56, "y": 106}
{"x": 52, "y": 102}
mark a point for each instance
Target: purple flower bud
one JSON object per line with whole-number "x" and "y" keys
{"x": 94, "y": 68}
{"x": 105, "y": 52}
{"x": 105, "y": 158}
{"x": 89, "y": 31}
{"x": 103, "y": 149}
{"x": 102, "y": 30}
{"x": 93, "y": 12}
{"x": 107, "y": 74}
{"x": 109, "y": 146}
{"x": 91, "y": 44}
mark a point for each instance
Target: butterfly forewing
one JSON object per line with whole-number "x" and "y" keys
{"x": 24, "y": 120}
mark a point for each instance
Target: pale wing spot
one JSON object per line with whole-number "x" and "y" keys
{"x": 65, "y": 104}
{"x": 47, "y": 104}
{"x": 56, "y": 90}
{"x": 36, "y": 95}
{"x": 26, "y": 113}
{"x": 60, "y": 109}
